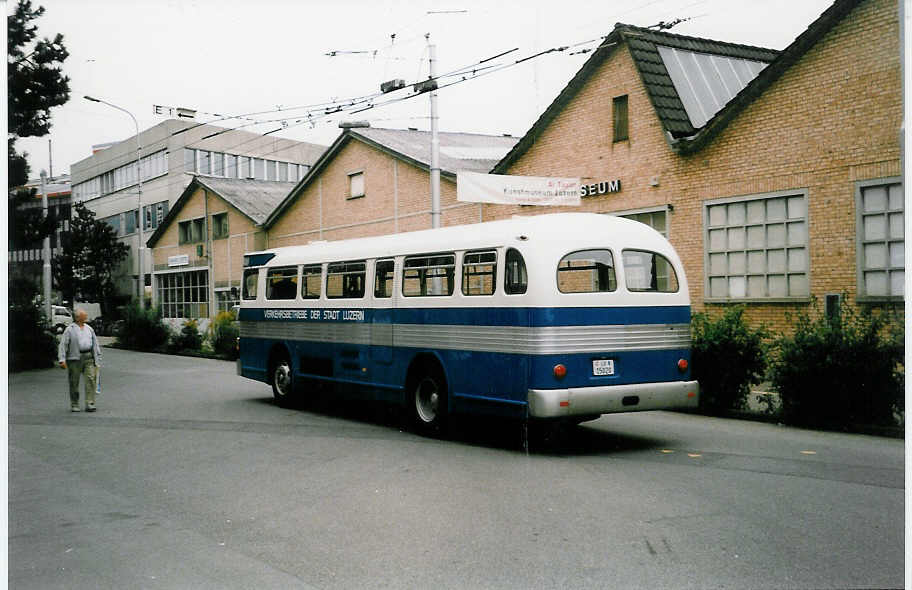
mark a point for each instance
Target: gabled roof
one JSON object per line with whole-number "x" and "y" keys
{"x": 255, "y": 199}
{"x": 672, "y": 95}
{"x": 458, "y": 151}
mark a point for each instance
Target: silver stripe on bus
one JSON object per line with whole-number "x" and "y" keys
{"x": 502, "y": 339}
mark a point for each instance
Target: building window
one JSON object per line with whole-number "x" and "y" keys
{"x": 757, "y": 248}
{"x": 218, "y": 164}
{"x": 356, "y": 185}
{"x": 880, "y": 219}
{"x": 225, "y": 299}
{"x": 189, "y": 160}
{"x": 259, "y": 168}
{"x": 271, "y": 169}
{"x": 130, "y": 222}
{"x": 192, "y": 230}
{"x": 205, "y": 162}
{"x": 220, "y": 225}
{"x": 231, "y": 166}
{"x": 657, "y": 220}
{"x": 619, "y": 115}
{"x": 184, "y": 294}
{"x": 283, "y": 171}
{"x": 244, "y": 167}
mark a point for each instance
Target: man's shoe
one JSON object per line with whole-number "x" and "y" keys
{"x": 90, "y": 407}
{"x": 74, "y": 407}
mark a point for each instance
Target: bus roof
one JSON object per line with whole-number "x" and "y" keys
{"x": 553, "y": 231}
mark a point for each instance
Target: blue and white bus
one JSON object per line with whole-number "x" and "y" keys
{"x": 567, "y": 315}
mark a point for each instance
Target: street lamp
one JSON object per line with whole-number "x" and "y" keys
{"x": 141, "y": 283}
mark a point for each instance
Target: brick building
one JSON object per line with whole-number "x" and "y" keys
{"x": 369, "y": 182}
{"x": 198, "y": 250}
{"x": 776, "y": 175}
{"x": 376, "y": 181}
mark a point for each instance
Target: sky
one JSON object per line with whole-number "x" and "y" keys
{"x": 236, "y": 57}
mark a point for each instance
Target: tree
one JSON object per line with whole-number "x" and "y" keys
{"x": 35, "y": 84}
{"x": 91, "y": 255}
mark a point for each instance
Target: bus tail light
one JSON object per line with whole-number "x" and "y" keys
{"x": 682, "y": 365}
{"x": 560, "y": 371}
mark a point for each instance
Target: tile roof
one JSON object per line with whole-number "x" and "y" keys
{"x": 458, "y": 151}
{"x": 256, "y": 199}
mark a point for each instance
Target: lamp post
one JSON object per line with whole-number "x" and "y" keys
{"x": 141, "y": 283}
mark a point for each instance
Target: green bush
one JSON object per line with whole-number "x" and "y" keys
{"x": 189, "y": 337}
{"x": 223, "y": 333}
{"x": 840, "y": 371}
{"x": 31, "y": 345}
{"x": 727, "y": 357}
{"x": 142, "y": 329}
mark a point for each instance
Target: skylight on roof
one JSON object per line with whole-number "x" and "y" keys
{"x": 705, "y": 82}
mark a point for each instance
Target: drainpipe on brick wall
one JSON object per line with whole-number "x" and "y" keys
{"x": 210, "y": 288}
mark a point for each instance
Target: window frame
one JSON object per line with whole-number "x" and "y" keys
{"x": 282, "y": 272}
{"x": 392, "y": 278}
{"x": 465, "y": 274}
{"x": 304, "y": 283}
{"x": 631, "y": 213}
{"x": 351, "y": 177}
{"x": 345, "y": 272}
{"x": 217, "y": 234}
{"x": 620, "y": 118}
{"x": 785, "y": 194}
{"x": 860, "y": 242}
{"x": 423, "y": 279}
{"x": 613, "y": 266}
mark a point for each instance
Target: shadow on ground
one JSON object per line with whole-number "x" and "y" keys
{"x": 533, "y": 437}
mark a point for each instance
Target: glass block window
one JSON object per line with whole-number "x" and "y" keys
{"x": 757, "y": 248}
{"x": 184, "y": 294}
{"x": 881, "y": 260}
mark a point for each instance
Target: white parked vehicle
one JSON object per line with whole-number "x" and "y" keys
{"x": 60, "y": 318}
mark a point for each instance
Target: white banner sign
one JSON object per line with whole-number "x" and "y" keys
{"x": 517, "y": 190}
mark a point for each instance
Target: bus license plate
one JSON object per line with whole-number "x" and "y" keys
{"x": 602, "y": 367}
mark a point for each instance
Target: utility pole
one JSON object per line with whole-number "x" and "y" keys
{"x": 435, "y": 140}
{"x": 46, "y": 253}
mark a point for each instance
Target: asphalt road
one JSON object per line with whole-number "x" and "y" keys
{"x": 190, "y": 477}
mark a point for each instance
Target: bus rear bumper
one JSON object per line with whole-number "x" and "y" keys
{"x": 607, "y": 399}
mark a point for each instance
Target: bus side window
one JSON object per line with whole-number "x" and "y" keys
{"x": 479, "y": 273}
{"x": 424, "y": 276}
{"x": 345, "y": 280}
{"x": 310, "y": 281}
{"x": 383, "y": 279}
{"x": 282, "y": 283}
{"x": 251, "y": 275}
{"x": 515, "y": 278}
{"x": 587, "y": 271}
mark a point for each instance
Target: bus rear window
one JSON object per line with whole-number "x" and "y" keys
{"x": 424, "y": 276}
{"x": 587, "y": 271}
{"x": 479, "y": 273}
{"x": 282, "y": 283}
{"x": 345, "y": 280}
{"x": 251, "y": 275}
{"x": 648, "y": 271}
{"x": 310, "y": 281}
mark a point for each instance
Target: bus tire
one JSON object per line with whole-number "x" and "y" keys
{"x": 428, "y": 400}
{"x": 282, "y": 379}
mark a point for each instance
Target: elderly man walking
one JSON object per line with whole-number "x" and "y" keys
{"x": 80, "y": 354}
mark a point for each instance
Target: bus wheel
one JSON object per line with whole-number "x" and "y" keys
{"x": 282, "y": 382}
{"x": 429, "y": 402}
